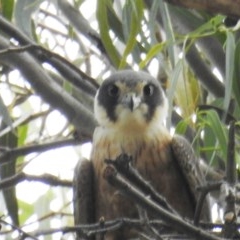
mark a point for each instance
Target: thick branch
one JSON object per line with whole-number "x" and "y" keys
{"x": 204, "y": 73}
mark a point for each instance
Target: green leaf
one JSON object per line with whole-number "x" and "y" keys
{"x": 7, "y": 8}
{"x": 181, "y": 127}
{"x": 169, "y": 31}
{"x": 134, "y": 18}
{"x": 7, "y": 170}
{"x": 236, "y": 82}
{"x": 152, "y": 53}
{"x": 23, "y": 14}
{"x": 115, "y": 23}
{"x": 41, "y": 208}
{"x": 22, "y": 131}
{"x": 208, "y": 28}
{"x": 4, "y": 114}
{"x": 105, "y": 30}
{"x": 22, "y": 134}
{"x": 218, "y": 130}
{"x": 153, "y": 12}
{"x": 67, "y": 87}
{"x": 230, "y": 57}
{"x": 173, "y": 81}
{"x": 210, "y": 145}
{"x": 213, "y": 121}
{"x": 26, "y": 210}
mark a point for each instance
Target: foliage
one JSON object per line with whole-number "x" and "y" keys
{"x": 54, "y": 54}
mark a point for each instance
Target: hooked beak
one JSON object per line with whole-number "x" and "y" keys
{"x": 131, "y": 101}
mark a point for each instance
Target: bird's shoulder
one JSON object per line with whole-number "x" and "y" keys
{"x": 83, "y": 194}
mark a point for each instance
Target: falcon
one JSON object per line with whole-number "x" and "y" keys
{"x": 130, "y": 108}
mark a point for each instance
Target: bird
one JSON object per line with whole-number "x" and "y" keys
{"x": 131, "y": 108}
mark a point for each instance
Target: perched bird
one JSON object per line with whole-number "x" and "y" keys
{"x": 130, "y": 108}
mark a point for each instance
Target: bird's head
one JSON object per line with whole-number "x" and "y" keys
{"x": 130, "y": 101}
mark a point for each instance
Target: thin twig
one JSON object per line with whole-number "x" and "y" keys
{"x": 23, "y": 233}
{"x": 87, "y": 230}
{"x": 20, "y": 151}
{"x": 44, "y": 178}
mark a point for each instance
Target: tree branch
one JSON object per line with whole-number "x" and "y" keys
{"x": 21, "y": 151}
{"x": 77, "y": 114}
{"x": 68, "y": 70}
{"x": 89, "y": 230}
{"x": 226, "y": 7}
{"x": 23, "y": 233}
{"x": 77, "y": 20}
{"x": 203, "y": 73}
{"x": 45, "y": 178}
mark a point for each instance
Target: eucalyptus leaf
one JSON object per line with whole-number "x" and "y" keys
{"x": 24, "y": 9}
{"x": 8, "y": 170}
{"x": 169, "y": 31}
{"x": 27, "y": 210}
{"x": 152, "y": 53}
{"x": 105, "y": 30}
{"x": 174, "y": 78}
{"x": 4, "y": 114}
{"x": 218, "y": 130}
{"x": 7, "y": 8}
{"x": 236, "y": 77}
{"x": 136, "y": 13}
{"x": 230, "y": 57}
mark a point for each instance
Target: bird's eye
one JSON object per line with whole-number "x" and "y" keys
{"x": 148, "y": 90}
{"x": 113, "y": 91}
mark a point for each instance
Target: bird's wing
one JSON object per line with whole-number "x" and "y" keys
{"x": 185, "y": 156}
{"x": 189, "y": 165}
{"x": 83, "y": 193}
